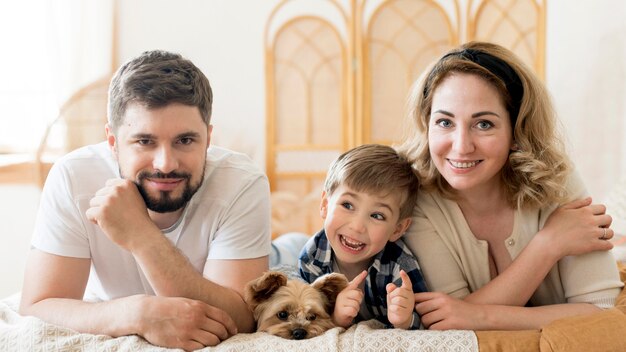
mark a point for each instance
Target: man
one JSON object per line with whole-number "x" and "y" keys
{"x": 151, "y": 232}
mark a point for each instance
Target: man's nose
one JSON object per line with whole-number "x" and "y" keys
{"x": 164, "y": 160}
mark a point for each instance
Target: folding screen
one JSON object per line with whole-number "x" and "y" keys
{"x": 339, "y": 72}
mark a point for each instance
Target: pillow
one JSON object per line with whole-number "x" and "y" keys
{"x": 602, "y": 331}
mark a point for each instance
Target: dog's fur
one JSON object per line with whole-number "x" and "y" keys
{"x": 291, "y": 308}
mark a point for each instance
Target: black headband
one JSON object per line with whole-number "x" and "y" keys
{"x": 500, "y": 69}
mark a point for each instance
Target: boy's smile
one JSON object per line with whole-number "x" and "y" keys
{"x": 358, "y": 225}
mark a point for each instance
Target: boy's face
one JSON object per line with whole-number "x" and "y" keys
{"x": 359, "y": 224}
{"x": 163, "y": 151}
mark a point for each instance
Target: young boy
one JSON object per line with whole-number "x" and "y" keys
{"x": 367, "y": 202}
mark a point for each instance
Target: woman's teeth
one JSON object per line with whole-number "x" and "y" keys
{"x": 463, "y": 165}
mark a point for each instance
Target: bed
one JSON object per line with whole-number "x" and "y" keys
{"x": 603, "y": 331}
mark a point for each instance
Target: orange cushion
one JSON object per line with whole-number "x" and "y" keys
{"x": 601, "y": 331}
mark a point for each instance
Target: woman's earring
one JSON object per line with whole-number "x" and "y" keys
{"x": 514, "y": 147}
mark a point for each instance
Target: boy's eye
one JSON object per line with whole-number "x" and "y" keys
{"x": 378, "y": 216}
{"x": 282, "y": 315}
{"x": 347, "y": 205}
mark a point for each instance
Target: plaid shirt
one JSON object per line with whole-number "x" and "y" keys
{"x": 316, "y": 259}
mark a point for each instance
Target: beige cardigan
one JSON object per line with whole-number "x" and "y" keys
{"x": 454, "y": 261}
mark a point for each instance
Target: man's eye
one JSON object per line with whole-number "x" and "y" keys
{"x": 144, "y": 141}
{"x": 282, "y": 315}
{"x": 186, "y": 141}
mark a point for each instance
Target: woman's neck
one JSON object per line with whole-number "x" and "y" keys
{"x": 484, "y": 201}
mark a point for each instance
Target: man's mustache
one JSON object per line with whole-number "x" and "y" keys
{"x": 158, "y": 174}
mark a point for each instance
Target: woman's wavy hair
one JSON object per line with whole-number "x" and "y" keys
{"x": 536, "y": 172}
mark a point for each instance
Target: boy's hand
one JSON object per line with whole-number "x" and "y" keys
{"x": 400, "y": 302}
{"x": 348, "y": 302}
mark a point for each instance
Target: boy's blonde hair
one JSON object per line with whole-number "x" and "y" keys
{"x": 375, "y": 168}
{"x": 536, "y": 172}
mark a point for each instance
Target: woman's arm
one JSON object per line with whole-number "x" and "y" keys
{"x": 573, "y": 229}
{"x": 442, "y": 312}
{"x": 449, "y": 266}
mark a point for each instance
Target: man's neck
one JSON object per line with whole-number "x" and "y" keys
{"x": 165, "y": 220}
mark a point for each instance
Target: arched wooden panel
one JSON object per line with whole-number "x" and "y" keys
{"x": 403, "y": 37}
{"x": 307, "y": 108}
{"x": 518, "y": 25}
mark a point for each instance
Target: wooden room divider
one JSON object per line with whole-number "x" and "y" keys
{"x": 339, "y": 72}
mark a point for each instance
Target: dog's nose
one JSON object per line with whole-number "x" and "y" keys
{"x": 299, "y": 334}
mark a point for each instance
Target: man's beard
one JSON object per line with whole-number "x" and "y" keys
{"x": 165, "y": 203}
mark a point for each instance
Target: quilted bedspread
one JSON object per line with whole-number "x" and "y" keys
{"x": 18, "y": 333}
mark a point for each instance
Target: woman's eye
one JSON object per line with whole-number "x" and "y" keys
{"x": 445, "y": 123}
{"x": 378, "y": 216}
{"x": 347, "y": 205}
{"x": 484, "y": 125}
{"x": 282, "y": 315}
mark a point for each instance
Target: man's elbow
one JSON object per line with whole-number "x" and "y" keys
{"x": 27, "y": 307}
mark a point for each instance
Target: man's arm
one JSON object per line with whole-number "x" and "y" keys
{"x": 54, "y": 287}
{"x": 170, "y": 274}
{"x": 121, "y": 213}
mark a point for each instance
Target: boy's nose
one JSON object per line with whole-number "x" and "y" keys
{"x": 357, "y": 225}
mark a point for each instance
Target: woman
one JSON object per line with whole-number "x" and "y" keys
{"x": 487, "y": 231}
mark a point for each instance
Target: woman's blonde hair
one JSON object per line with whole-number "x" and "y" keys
{"x": 536, "y": 172}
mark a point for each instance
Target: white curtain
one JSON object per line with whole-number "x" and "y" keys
{"x": 50, "y": 50}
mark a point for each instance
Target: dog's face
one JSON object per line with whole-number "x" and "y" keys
{"x": 293, "y": 309}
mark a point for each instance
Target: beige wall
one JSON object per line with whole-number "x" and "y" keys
{"x": 585, "y": 72}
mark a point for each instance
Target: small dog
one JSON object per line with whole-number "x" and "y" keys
{"x": 291, "y": 308}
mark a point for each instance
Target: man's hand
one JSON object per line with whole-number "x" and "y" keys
{"x": 400, "y": 302}
{"x": 177, "y": 322}
{"x": 119, "y": 210}
{"x": 348, "y": 302}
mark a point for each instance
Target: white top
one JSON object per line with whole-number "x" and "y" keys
{"x": 454, "y": 261}
{"x": 228, "y": 218}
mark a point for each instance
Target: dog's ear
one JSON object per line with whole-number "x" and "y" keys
{"x": 261, "y": 289}
{"x": 330, "y": 285}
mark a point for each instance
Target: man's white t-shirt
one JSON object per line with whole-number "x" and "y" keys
{"x": 228, "y": 218}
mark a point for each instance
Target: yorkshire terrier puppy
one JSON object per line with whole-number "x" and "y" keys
{"x": 291, "y": 308}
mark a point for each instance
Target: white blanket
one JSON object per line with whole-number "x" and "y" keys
{"x": 19, "y": 333}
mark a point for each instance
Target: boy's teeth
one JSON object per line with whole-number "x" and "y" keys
{"x": 352, "y": 244}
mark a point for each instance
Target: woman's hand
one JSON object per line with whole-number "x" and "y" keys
{"x": 439, "y": 311}
{"x": 576, "y": 228}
